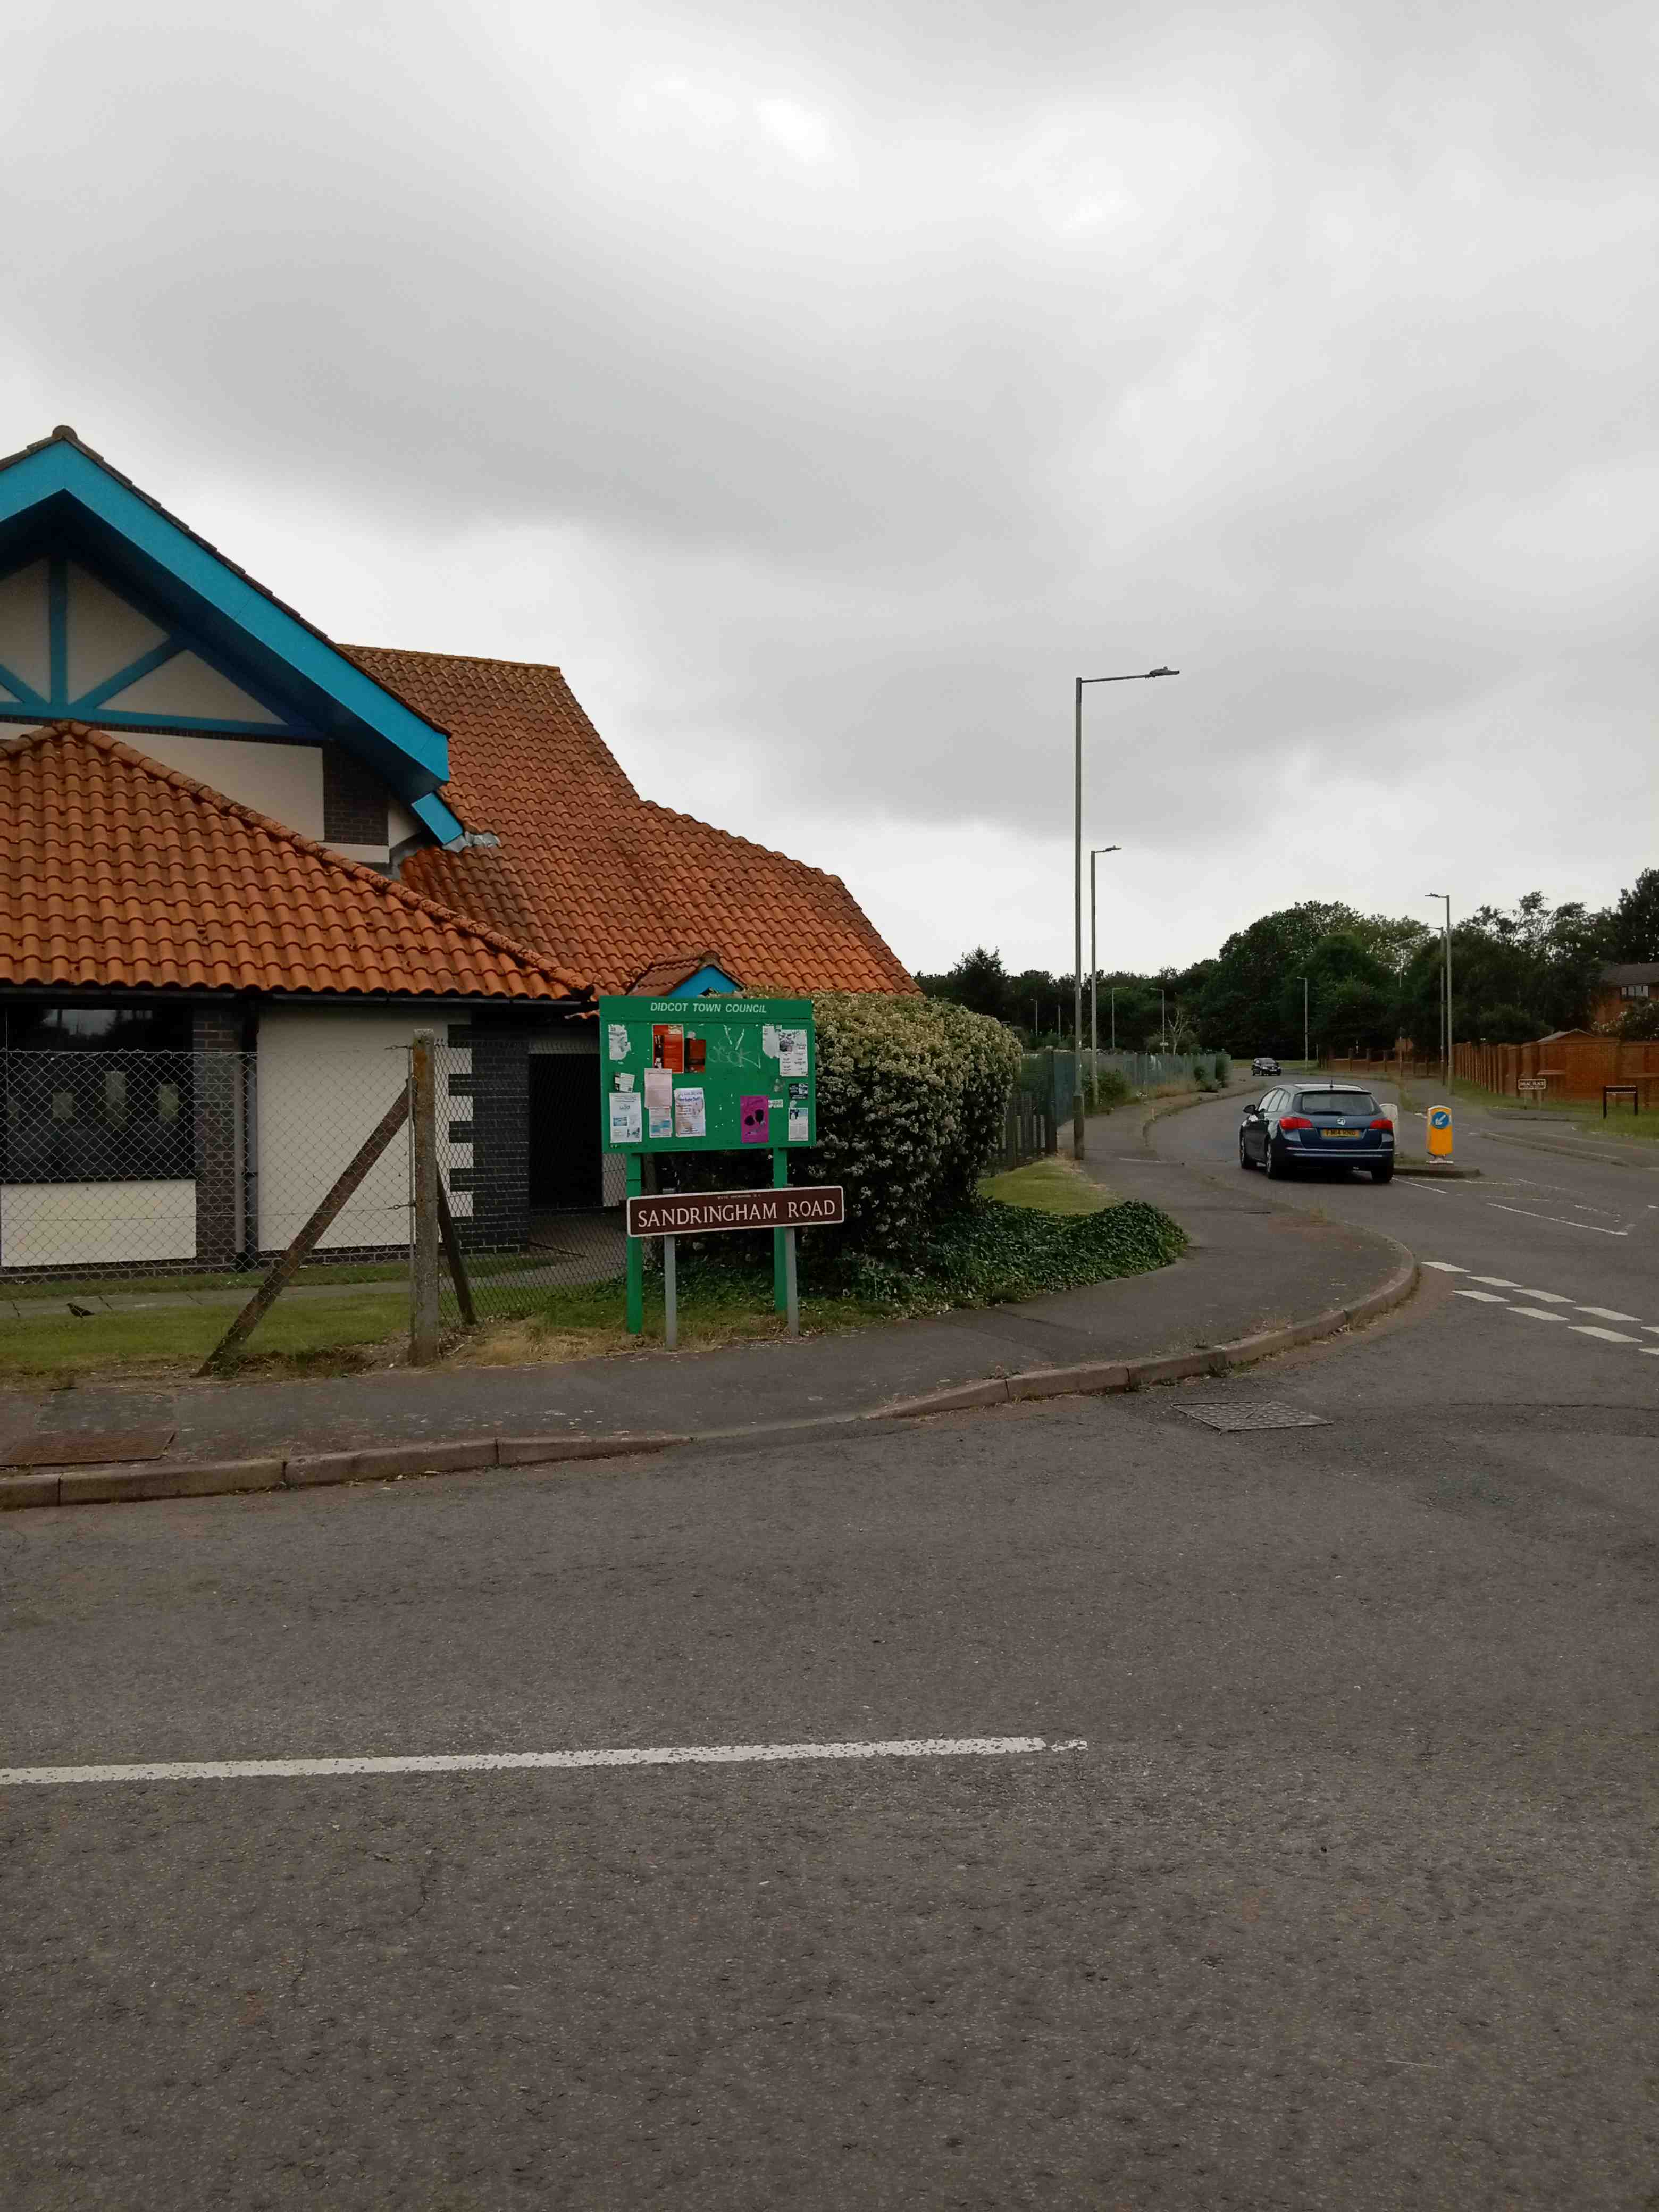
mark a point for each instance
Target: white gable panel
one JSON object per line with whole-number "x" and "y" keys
{"x": 24, "y": 645}
{"x": 105, "y": 633}
{"x": 284, "y": 781}
{"x": 187, "y": 685}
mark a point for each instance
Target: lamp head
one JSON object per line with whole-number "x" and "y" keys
{"x": 1163, "y": 671}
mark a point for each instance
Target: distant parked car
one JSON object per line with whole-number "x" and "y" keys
{"x": 1266, "y": 1065}
{"x": 1317, "y": 1125}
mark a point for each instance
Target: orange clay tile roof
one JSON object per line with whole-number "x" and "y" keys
{"x": 115, "y": 871}
{"x": 668, "y": 975}
{"x": 598, "y": 879}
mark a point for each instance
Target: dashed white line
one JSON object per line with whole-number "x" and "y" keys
{"x": 500, "y": 1762}
{"x": 1543, "y": 1300}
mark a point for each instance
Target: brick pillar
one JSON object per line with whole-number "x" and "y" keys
{"x": 215, "y": 1042}
{"x": 498, "y": 1180}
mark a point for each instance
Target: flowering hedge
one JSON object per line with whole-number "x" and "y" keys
{"x": 911, "y": 1095}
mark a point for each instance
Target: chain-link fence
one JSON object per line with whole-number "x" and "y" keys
{"x": 172, "y": 1177}
{"x": 135, "y": 1165}
{"x": 528, "y": 1193}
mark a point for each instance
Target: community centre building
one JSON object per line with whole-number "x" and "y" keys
{"x": 241, "y": 866}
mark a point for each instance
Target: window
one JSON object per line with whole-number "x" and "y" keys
{"x": 1338, "y": 1102}
{"x": 1633, "y": 990}
{"x": 96, "y": 1094}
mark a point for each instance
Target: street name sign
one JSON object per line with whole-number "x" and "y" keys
{"x": 697, "y": 1212}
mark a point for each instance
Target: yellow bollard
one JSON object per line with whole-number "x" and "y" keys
{"x": 1440, "y": 1133}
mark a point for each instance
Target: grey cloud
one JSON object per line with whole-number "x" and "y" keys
{"x": 889, "y": 366}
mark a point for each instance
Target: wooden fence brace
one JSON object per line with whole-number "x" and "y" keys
{"x": 423, "y": 1323}
{"x": 303, "y": 1245}
{"x": 457, "y": 1263}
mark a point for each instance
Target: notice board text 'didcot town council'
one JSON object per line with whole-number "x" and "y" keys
{"x": 706, "y": 1075}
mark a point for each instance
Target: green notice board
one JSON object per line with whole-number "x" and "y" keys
{"x": 706, "y": 1075}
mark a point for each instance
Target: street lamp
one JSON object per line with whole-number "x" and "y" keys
{"x": 1446, "y": 997}
{"x": 1304, "y": 1020}
{"x": 1095, "y": 852}
{"x": 1137, "y": 676}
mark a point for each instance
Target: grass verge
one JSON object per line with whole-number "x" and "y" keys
{"x": 991, "y": 1254}
{"x": 1049, "y": 1186}
{"x": 1039, "y": 1228}
{"x": 1581, "y": 1115}
{"x": 297, "y": 1337}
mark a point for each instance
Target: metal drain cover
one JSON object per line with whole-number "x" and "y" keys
{"x": 1266, "y": 1413}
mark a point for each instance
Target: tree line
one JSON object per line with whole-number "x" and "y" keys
{"x": 1518, "y": 972}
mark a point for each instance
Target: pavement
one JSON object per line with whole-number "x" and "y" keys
{"x": 1257, "y": 1818}
{"x": 1253, "y": 1265}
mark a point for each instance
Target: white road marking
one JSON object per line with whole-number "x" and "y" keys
{"x": 1537, "y": 1312}
{"x": 1594, "y": 1227}
{"x": 498, "y": 1762}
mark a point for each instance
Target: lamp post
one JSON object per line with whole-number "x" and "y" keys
{"x": 1137, "y": 676}
{"x": 1446, "y": 996}
{"x": 1304, "y": 1020}
{"x": 1095, "y": 852}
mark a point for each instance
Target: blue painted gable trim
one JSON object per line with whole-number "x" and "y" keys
{"x": 705, "y": 979}
{"x": 59, "y": 470}
{"x": 439, "y": 820}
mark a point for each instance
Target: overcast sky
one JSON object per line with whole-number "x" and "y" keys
{"x": 824, "y": 387}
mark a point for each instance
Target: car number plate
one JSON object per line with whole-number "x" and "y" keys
{"x": 1341, "y": 1136}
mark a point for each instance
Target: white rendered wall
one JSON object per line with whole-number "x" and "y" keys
{"x": 83, "y": 1224}
{"x": 326, "y": 1076}
{"x": 23, "y": 635}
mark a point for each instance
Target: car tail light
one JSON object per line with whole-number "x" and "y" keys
{"x": 1382, "y": 1122}
{"x": 1295, "y": 1121}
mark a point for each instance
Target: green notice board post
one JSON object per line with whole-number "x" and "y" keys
{"x": 706, "y": 1075}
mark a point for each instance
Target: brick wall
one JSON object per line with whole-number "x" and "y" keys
{"x": 217, "y": 1109}
{"x": 353, "y": 800}
{"x": 489, "y": 1110}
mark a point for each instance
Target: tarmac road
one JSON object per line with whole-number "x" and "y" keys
{"x": 1339, "y": 1893}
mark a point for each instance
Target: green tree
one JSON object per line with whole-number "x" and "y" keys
{"x": 978, "y": 981}
{"x": 1633, "y": 925}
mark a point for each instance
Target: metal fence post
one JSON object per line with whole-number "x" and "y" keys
{"x": 423, "y": 1102}
{"x": 634, "y": 1254}
{"x": 780, "y": 1271}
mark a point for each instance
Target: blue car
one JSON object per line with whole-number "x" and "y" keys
{"x": 1320, "y": 1125}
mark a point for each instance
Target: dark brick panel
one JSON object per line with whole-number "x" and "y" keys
{"x": 353, "y": 800}
{"x": 499, "y": 1178}
{"x": 216, "y": 1035}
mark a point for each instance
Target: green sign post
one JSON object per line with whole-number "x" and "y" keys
{"x": 706, "y": 1075}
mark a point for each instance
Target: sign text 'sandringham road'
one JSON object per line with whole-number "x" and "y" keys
{"x": 695, "y": 1213}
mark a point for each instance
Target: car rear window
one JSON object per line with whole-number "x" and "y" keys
{"x": 1338, "y": 1102}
